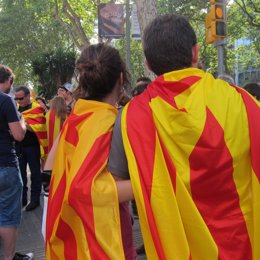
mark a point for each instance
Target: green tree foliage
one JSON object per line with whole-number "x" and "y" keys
{"x": 52, "y": 70}
{"x": 26, "y": 31}
{"x": 32, "y": 27}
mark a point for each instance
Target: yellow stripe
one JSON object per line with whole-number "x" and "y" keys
{"x": 168, "y": 222}
{"x": 256, "y": 217}
{"x": 104, "y": 189}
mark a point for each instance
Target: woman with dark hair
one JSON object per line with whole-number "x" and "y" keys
{"x": 83, "y": 218}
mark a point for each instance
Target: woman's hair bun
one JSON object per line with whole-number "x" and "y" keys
{"x": 91, "y": 66}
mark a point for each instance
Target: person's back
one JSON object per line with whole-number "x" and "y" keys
{"x": 191, "y": 144}
{"x": 83, "y": 196}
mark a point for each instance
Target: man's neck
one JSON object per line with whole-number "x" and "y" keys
{"x": 3, "y": 88}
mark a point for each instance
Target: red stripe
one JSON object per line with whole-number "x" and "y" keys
{"x": 72, "y": 136}
{"x": 52, "y": 118}
{"x": 168, "y": 90}
{"x": 41, "y": 135}
{"x": 253, "y": 113}
{"x": 45, "y": 149}
{"x": 36, "y": 110}
{"x": 80, "y": 190}
{"x": 215, "y": 195}
{"x": 37, "y": 120}
{"x": 65, "y": 233}
{"x": 54, "y": 204}
{"x": 145, "y": 160}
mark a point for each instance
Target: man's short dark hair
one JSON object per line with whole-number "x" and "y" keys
{"x": 168, "y": 42}
{"x": 144, "y": 79}
{"x": 253, "y": 89}
{"x": 5, "y": 73}
{"x": 24, "y": 89}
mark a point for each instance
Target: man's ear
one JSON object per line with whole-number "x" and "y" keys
{"x": 195, "y": 55}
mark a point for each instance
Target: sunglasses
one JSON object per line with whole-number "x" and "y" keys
{"x": 20, "y": 99}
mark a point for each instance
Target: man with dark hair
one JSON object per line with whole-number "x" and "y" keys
{"x": 141, "y": 85}
{"x": 253, "y": 89}
{"x": 12, "y": 128}
{"x": 190, "y": 145}
{"x": 29, "y": 150}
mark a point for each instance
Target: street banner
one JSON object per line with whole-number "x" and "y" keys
{"x": 111, "y": 20}
{"x": 136, "y": 33}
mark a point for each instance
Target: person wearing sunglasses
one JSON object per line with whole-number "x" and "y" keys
{"x": 29, "y": 150}
{"x": 12, "y": 128}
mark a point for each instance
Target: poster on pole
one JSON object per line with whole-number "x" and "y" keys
{"x": 136, "y": 33}
{"x": 111, "y": 20}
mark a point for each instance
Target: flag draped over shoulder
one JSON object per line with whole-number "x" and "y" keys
{"x": 35, "y": 118}
{"x": 54, "y": 126}
{"x": 193, "y": 145}
{"x": 83, "y": 220}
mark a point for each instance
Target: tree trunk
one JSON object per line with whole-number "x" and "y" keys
{"x": 146, "y": 11}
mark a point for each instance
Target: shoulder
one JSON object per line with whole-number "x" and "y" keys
{"x": 6, "y": 100}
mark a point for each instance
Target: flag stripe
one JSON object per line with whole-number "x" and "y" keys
{"x": 64, "y": 232}
{"x": 145, "y": 166}
{"x": 35, "y": 121}
{"x": 213, "y": 184}
{"x": 51, "y": 122}
{"x": 55, "y": 204}
{"x": 36, "y": 109}
{"x": 253, "y": 108}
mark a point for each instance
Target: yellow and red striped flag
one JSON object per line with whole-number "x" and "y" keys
{"x": 193, "y": 145}
{"x": 83, "y": 220}
{"x": 54, "y": 126}
{"x": 35, "y": 118}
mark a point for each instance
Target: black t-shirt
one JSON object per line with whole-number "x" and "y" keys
{"x": 8, "y": 114}
{"x": 30, "y": 138}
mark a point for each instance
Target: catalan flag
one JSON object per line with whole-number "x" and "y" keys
{"x": 35, "y": 118}
{"x": 83, "y": 221}
{"x": 54, "y": 126}
{"x": 193, "y": 145}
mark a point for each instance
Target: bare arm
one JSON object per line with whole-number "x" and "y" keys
{"x": 28, "y": 127}
{"x": 51, "y": 155}
{"x": 124, "y": 189}
{"x": 18, "y": 129}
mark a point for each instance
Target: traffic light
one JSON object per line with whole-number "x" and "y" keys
{"x": 216, "y": 21}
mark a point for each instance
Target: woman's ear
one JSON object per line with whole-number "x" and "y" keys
{"x": 195, "y": 55}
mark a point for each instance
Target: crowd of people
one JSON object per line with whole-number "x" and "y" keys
{"x": 183, "y": 149}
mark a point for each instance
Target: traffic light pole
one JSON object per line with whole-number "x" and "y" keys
{"x": 219, "y": 44}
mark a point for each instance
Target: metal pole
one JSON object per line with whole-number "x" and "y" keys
{"x": 219, "y": 44}
{"x": 128, "y": 49}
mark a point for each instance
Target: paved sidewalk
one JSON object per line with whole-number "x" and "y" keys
{"x": 30, "y": 238}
